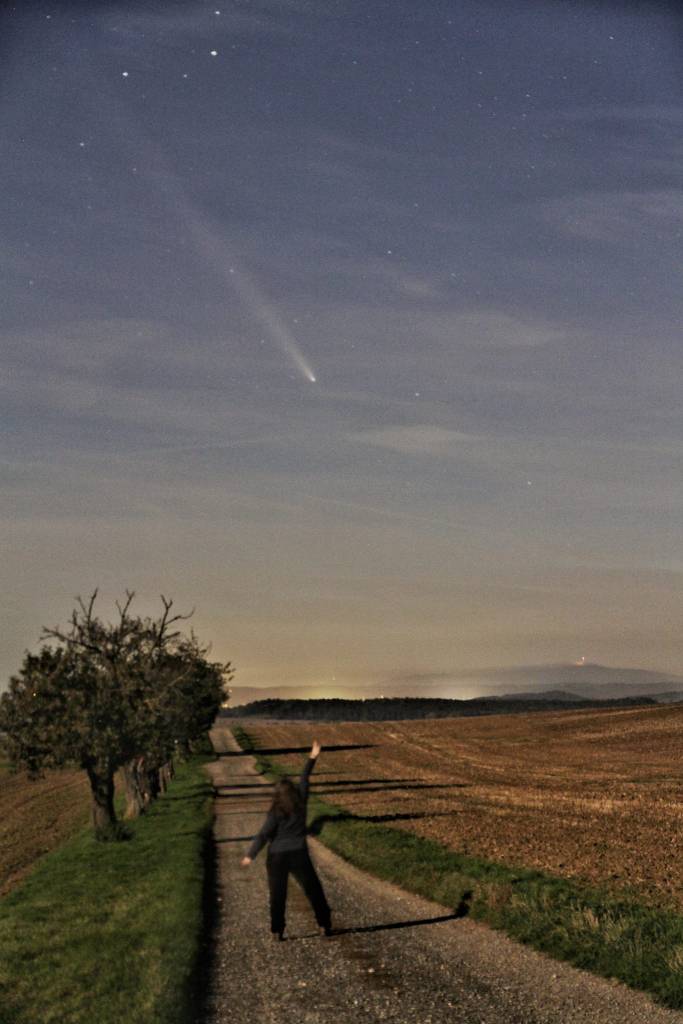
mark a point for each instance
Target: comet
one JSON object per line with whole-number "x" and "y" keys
{"x": 210, "y": 244}
{"x": 218, "y": 254}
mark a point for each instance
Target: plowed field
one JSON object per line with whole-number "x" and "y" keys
{"x": 35, "y": 816}
{"x": 595, "y": 795}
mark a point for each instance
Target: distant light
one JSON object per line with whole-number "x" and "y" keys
{"x": 214, "y": 53}
{"x": 124, "y": 74}
{"x": 312, "y": 379}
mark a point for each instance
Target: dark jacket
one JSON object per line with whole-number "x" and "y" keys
{"x": 285, "y": 833}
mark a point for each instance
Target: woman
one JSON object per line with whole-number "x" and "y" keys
{"x": 285, "y": 830}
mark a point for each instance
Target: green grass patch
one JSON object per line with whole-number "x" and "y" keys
{"x": 111, "y": 932}
{"x": 617, "y": 937}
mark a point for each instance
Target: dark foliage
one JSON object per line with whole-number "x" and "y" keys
{"x": 392, "y": 709}
{"x": 107, "y": 697}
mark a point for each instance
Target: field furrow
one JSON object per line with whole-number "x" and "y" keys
{"x": 594, "y": 795}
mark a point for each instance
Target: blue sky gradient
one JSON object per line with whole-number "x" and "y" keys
{"x": 464, "y": 220}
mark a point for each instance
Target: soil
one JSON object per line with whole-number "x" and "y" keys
{"x": 594, "y": 795}
{"x": 36, "y": 815}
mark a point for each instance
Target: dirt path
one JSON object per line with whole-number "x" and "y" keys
{"x": 392, "y": 958}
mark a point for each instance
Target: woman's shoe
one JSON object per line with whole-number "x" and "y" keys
{"x": 277, "y": 936}
{"x": 325, "y": 930}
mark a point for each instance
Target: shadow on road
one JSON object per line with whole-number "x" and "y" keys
{"x": 234, "y": 792}
{"x": 240, "y": 785}
{"x": 274, "y": 751}
{"x": 329, "y": 788}
{"x": 318, "y": 824}
{"x": 318, "y": 787}
{"x": 205, "y": 964}
{"x": 462, "y": 910}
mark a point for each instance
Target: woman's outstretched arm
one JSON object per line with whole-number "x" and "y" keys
{"x": 308, "y": 768}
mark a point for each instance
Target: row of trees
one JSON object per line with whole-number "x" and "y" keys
{"x": 124, "y": 696}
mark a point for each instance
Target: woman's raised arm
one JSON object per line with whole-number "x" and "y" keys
{"x": 308, "y": 768}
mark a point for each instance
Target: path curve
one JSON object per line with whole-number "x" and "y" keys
{"x": 384, "y": 965}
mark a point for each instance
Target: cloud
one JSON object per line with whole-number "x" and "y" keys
{"x": 401, "y": 280}
{"x": 419, "y": 439}
{"x": 647, "y": 114}
{"x": 144, "y": 378}
{"x": 503, "y": 330}
{"x": 619, "y": 216}
{"x": 404, "y": 329}
{"x": 143, "y": 32}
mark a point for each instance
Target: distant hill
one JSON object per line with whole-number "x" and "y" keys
{"x": 583, "y": 681}
{"x": 593, "y": 681}
{"x": 398, "y": 708}
{"x": 561, "y": 696}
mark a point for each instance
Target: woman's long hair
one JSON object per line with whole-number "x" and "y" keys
{"x": 286, "y": 798}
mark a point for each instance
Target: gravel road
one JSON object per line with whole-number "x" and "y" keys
{"x": 394, "y": 957}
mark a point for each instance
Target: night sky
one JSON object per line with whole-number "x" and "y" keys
{"x": 355, "y": 324}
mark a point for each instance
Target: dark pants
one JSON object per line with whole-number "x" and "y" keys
{"x": 299, "y": 863}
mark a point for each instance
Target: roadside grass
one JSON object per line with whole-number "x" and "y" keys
{"x": 614, "y": 936}
{"x": 111, "y": 931}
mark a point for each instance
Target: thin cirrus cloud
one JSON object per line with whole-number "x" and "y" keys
{"x": 619, "y": 217}
{"x": 444, "y": 327}
{"x": 418, "y": 439}
{"x": 172, "y": 28}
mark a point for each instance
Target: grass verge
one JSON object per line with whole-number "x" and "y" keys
{"x": 111, "y": 932}
{"x": 616, "y": 937}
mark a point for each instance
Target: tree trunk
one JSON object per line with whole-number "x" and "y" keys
{"x": 162, "y": 779}
{"x": 148, "y": 784}
{"x": 135, "y": 801}
{"x": 102, "y": 792}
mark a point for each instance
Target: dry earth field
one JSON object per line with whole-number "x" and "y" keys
{"x": 35, "y": 816}
{"x": 594, "y": 795}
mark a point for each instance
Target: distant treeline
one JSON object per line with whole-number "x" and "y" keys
{"x": 382, "y": 709}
